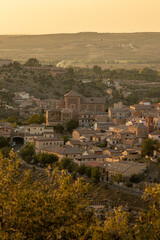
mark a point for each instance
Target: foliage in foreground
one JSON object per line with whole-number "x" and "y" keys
{"x": 56, "y": 208}
{"x": 52, "y": 209}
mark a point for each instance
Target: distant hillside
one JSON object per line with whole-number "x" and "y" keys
{"x": 86, "y": 48}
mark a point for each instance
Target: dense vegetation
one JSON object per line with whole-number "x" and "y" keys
{"x": 86, "y": 81}
{"x": 56, "y": 208}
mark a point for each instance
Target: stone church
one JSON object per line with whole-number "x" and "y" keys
{"x": 76, "y": 102}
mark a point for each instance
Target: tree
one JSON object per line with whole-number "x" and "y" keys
{"x": 16, "y": 65}
{"x": 68, "y": 164}
{"x": 59, "y": 128}
{"x": 65, "y": 138}
{"x": 116, "y": 226}
{"x": 5, "y": 151}
{"x": 46, "y": 158}
{"x": 11, "y": 119}
{"x": 52, "y": 208}
{"x": 71, "y": 124}
{"x": 118, "y": 178}
{"x": 104, "y": 144}
{"x": 148, "y": 146}
{"x": 70, "y": 72}
{"x": 95, "y": 174}
{"x": 88, "y": 171}
{"x": 148, "y": 224}
{"x": 136, "y": 178}
{"x": 97, "y": 69}
{"x": 4, "y": 142}
{"x": 56, "y": 207}
{"x": 81, "y": 169}
{"x": 36, "y": 119}
{"x": 32, "y": 62}
{"x": 27, "y": 152}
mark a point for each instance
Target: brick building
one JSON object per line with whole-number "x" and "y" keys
{"x": 76, "y": 102}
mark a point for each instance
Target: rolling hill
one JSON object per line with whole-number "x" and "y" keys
{"x": 84, "y": 48}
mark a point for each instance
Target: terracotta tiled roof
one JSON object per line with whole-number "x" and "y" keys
{"x": 64, "y": 151}
{"x": 92, "y": 164}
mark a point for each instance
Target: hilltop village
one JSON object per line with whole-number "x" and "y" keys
{"x": 113, "y": 141}
{"x": 93, "y": 123}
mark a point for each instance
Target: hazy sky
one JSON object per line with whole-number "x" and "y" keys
{"x": 66, "y": 16}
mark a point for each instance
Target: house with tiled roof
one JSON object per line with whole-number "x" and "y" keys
{"x": 65, "y": 151}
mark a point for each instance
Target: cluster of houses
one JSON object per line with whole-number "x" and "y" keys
{"x": 109, "y": 140}
{"x": 26, "y": 104}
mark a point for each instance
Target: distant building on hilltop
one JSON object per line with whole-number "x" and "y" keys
{"x": 76, "y": 102}
{"x": 74, "y": 106}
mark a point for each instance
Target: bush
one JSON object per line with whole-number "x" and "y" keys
{"x": 136, "y": 178}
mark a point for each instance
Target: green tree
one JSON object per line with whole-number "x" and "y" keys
{"x": 65, "y": 138}
{"x": 97, "y": 70}
{"x": 4, "y": 142}
{"x": 16, "y": 65}
{"x": 11, "y": 119}
{"x": 36, "y": 119}
{"x": 95, "y": 174}
{"x": 88, "y": 171}
{"x": 59, "y": 128}
{"x": 148, "y": 146}
{"x": 118, "y": 178}
{"x": 81, "y": 169}
{"x": 46, "y": 158}
{"x": 71, "y": 124}
{"x": 67, "y": 164}
{"x": 27, "y": 152}
{"x": 32, "y": 62}
{"x": 136, "y": 178}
